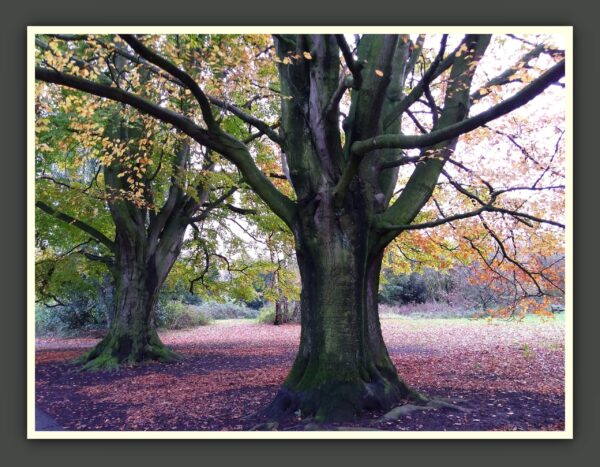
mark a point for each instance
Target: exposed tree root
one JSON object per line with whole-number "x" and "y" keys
{"x": 114, "y": 351}
{"x": 340, "y": 401}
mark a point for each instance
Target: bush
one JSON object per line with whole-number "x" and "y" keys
{"x": 266, "y": 315}
{"x": 177, "y": 315}
{"x": 255, "y": 304}
{"x": 65, "y": 321}
{"x": 229, "y": 310}
{"x": 48, "y": 322}
{"x": 429, "y": 310}
{"x": 409, "y": 288}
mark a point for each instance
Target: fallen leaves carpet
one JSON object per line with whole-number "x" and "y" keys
{"x": 507, "y": 375}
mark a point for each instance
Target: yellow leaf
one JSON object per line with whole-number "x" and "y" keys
{"x": 379, "y": 72}
{"x": 307, "y": 55}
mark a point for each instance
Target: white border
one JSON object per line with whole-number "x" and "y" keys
{"x": 567, "y": 31}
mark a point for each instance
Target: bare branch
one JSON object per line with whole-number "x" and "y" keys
{"x": 420, "y": 127}
{"x": 465, "y": 215}
{"x": 526, "y": 94}
{"x": 242, "y": 211}
{"x": 212, "y": 205}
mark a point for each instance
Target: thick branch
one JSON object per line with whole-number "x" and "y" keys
{"x": 354, "y": 67}
{"x": 181, "y": 75}
{"x": 526, "y": 94}
{"x": 168, "y": 116}
{"x": 263, "y": 127}
{"x": 219, "y": 141}
{"x": 94, "y": 233}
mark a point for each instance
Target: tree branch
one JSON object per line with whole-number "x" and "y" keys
{"x": 174, "y": 71}
{"x": 465, "y": 215}
{"x": 506, "y": 76}
{"x": 238, "y": 210}
{"x": 333, "y": 104}
{"x": 94, "y": 233}
{"x": 179, "y": 121}
{"x": 219, "y": 141}
{"x": 526, "y": 94}
{"x": 263, "y": 127}
{"x": 354, "y": 67}
{"x": 435, "y": 69}
{"x": 212, "y": 205}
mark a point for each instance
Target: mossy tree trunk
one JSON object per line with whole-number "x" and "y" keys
{"x": 342, "y": 366}
{"x": 146, "y": 246}
{"x": 139, "y": 275}
{"x": 344, "y": 201}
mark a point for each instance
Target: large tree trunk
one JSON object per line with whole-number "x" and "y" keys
{"x": 342, "y": 367}
{"x": 139, "y": 274}
{"x": 132, "y": 336}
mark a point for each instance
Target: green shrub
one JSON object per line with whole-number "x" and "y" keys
{"x": 48, "y": 322}
{"x": 229, "y": 310}
{"x": 68, "y": 321}
{"x": 177, "y": 315}
{"x": 266, "y": 315}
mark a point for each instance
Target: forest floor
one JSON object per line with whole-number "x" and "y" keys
{"x": 497, "y": 375}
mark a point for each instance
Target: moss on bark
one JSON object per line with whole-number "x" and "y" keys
{"x": 118, "y": 349}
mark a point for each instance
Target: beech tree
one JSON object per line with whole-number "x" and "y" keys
{"x": 130, "y": 186}
{"x": 342, "y": 119}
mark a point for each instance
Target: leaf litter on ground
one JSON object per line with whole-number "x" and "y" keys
{"x": 507, "y": 375}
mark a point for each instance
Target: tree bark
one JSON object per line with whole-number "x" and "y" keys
{"x": 139, "y": 274}
{"x": 342, "y": 367}
{"x": 295, "y": 317}
{"x": 278, "y": 312}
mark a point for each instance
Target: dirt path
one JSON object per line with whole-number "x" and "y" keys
{"x": 505, "y": 377}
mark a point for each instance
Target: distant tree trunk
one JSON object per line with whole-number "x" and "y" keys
{"x": 295, "y": 317}
{"x": 278, "y": 312}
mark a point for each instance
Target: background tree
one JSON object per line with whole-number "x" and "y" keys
{"x": 344, "y": 169}
{"x": 128, "y": 184}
